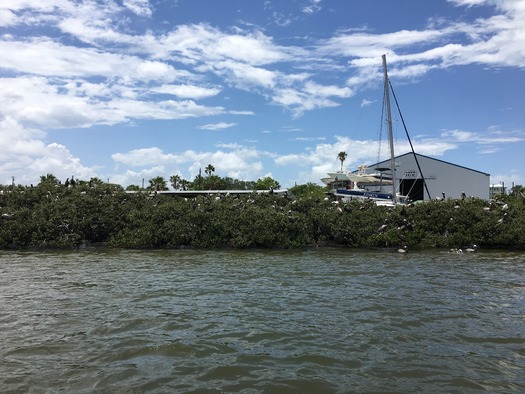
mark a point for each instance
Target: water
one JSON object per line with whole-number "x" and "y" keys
{"x": 319, "y": 321}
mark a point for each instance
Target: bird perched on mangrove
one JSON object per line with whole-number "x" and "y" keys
{"x": 383, "y": 228}
{"x": 503, "y": 219}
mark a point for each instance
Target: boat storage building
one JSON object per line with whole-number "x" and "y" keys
{"x": 440, "y": 177}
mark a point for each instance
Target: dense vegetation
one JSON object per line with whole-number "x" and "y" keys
{"x": 52, "y": 215}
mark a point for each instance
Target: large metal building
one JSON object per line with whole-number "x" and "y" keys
{"x": 441, "y": 178}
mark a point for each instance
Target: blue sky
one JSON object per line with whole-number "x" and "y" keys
{"x": 129, "y": 90}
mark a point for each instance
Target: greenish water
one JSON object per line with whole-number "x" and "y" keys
{"x": 318, "y": 321}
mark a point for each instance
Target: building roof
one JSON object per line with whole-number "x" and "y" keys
{"x": 431, "y": 158}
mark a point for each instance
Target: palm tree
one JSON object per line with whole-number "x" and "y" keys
{"x": 95, "y": 182}
{"x": 49, "y": 179}
{"x": 342, "y": 157}
{"x": 184, "y": 183}
{"x": 175, "y": 181}
{"x": 158, "y": 183}
{"x": 209, "y": 170}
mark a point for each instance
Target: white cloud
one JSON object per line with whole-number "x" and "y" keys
{"x": 281, "y": 20}
{"x": 45, "y": 57}
{"x": 494, "y": 41}
{"x": 367, "y": 102}
{"x": 217, "y": 126}
{"x": 203, "y": 43}
{"x": 139, "y": 178}
{"x": 144, "y": 157}
{"x": 468, "y": 3}
{"x": 309, "y": 139}
{"x": 35, "y": 101}
{"x": 299, "y": 101}
{"x": 7, "y": 18}
{"x": 39, "y": 101}
{"x": 139, "y": 7}
{"x": 316, "y": 89}
{"x": 236, "y": 112}
{"x": 313, "y": 7}
{"x": 15, "y": 140}
{"x": 90, "y": 29}
{"x": 322, "y": 158}
{"x": 492, "y": 137}
{"x": 153, "y": 71}
{"x": 232, "y": 160}
{"x": 187, "y": 91}
{"x": 25, "y": 156}
{"x": 246, "y": 76}
{"x": 368, "y": 47}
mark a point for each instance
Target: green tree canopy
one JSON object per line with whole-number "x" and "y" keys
{"x": 309, "y": 190}
{"x": 44, "y": 216}
{"x": 267, "y": 183}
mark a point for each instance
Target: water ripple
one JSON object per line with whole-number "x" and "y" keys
{"x": 328, "y": 320}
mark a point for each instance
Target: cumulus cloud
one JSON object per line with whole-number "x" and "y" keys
{"x": 233, "y": 160}
{"x": 24, "y": 156}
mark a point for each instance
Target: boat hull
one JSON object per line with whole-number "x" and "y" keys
{"x": 363, "y": 194}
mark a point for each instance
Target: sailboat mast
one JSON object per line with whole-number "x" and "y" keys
{"x": 390, "y": 136}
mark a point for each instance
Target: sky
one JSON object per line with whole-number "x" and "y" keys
{"x": 128, "y": 90}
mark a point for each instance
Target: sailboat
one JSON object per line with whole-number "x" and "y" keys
{"x": 366, "y": 185}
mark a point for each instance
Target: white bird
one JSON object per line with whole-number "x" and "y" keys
{"x": 473, "y": 249}
{"x": 403, "y": 250}
{"x": 502, "y": 220}
{"x": 382, "y": 229}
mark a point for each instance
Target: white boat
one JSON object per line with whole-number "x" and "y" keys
{"x": 379, "y": 184}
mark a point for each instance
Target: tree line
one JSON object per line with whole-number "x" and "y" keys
{"x": 51, "y": 215}
{"x": 209, "y": 181}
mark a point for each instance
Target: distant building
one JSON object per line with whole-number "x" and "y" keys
{"x": 497, "y": 190}
{"x": 441, "y": 178}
